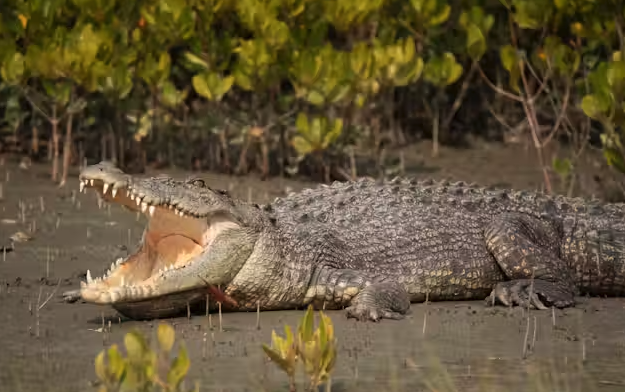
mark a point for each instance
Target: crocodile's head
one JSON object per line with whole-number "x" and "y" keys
{"x": 182, "y": 249}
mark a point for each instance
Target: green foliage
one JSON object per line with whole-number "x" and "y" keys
{"x": 442, "y": 70}
{"x": 212, "y": 86}
{"x": 429, "y": 13}
{"x": 511, "y": 62}
{"x": 313, "y": 348}
{"x": 141, "y": 369}
{"x": 561, "y": 59}
{"x": 315, "y": 135}
{"x": 398, "y": 63}
{"x": 344, "y": 59}
{"x": 477, "y": 25}
{"x": 606, "y": 104}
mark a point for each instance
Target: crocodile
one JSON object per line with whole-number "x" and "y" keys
{"x": 369, "y": 247}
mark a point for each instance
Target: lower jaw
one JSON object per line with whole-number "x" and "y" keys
{"x": 165, "y": 306}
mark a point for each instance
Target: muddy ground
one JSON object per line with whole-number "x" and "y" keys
{"x": 472, "y": 347}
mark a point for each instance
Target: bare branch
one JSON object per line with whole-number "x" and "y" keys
{"x": 497, "y": 89}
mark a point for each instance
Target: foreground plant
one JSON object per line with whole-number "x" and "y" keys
{"x": 144, "y": 369}
{"x": 315, "y": 349}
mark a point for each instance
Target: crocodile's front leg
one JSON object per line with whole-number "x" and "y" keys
{"x": 524, "y": 246}
{"x": 365, "y": 297}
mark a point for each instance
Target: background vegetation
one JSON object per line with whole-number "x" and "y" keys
{"x": 303, "y": 86}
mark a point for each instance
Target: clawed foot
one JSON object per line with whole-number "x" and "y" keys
{"x": 383, "y": 300}
{"x": 363, "y": 312}
{"x": 71, "y": 296}
{"x": 521, "y": 293}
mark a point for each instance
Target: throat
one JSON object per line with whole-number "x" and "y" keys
{"x": 172, "y": 250}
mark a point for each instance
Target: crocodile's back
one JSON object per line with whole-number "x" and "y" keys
{"x": 425, "y": 233}
{"x": 366, "y": 199}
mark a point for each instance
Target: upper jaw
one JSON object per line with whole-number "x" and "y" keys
{"x": 116, "y": 186}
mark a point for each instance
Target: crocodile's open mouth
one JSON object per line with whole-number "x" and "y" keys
{"x": 172, "y": 241}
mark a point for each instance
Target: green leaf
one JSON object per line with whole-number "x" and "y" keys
{"x": 136, "y": 346}
{"x": 476, "y": 43}
{"x": 509, "y": 57}
{"x": 302, "y": 146}
{"x": 442, "y": 70}
{"x": 510, "y": 61}
{"x": 306, "y": 328}
{"x": 333, "y": 134}
{"x": 616, "y": 75}
{"x": 614, "y": 159}
{"x": 301, "y": 122}
{"x": 531, "y": 14}
{"x": 179, "y": 368}
{"x": 100, "y": 366}
{"x": 13, "y": 68}
{"x": 440, "y": 17}
{"x": 277, "y": 359}
{"x": 562, "y": 166}
{"x": 117, "y": 365}
{"x": 193, "y": 59}
{"x": 164, "y": 63}
{"x": 88, "y": 45}
{"x": 593, "y": 106}
{"x": 243, "y": 79}
{"x": 59, "y": 91}
{"x": 315, "y": 98}
{"x": 170, "y": 96}
{"x": 166, "y": 337}
{"x": 211, "y": 85}
{"x": 560, "y": 4}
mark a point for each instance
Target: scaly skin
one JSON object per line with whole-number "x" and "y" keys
{"x": 369, "y": 247}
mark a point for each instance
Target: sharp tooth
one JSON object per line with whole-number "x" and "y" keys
{"x": 181, "y": 213}
{"x": 123, "y": 281}
{"x": 152, "y": 209}
{"x": 138, "y": 201}
{"x": 114, "y": 192}
{"x": 144, "y": 206}
{"x": 112, "y": 267}
{"x": 119, "y": 261}
{"x": 82, "y": 186}
{"x": 105, "y": 188}
{"x": 132, "y": 196}
{"x": 91, "y": 182}
{"x": 171, "y": 267}
{"x": 89, "y": 279}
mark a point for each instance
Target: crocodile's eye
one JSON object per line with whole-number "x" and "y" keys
{"x": 197, "y": 182}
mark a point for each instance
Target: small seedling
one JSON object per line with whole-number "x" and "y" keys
{"x": 315, "y": 349}
{"x": 144, "y": 369}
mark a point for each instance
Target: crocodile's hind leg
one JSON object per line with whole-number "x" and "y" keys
{"x": 522, "y": 246}
{"x": 365, "y": 297}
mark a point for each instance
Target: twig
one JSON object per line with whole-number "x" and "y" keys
{"x": 460, "y": 97}
{"x": 527, "y": 328}
{"x": 425, "y": 313}
{"x": 561, "y": 116}
{"x": 530, "y": 111}
{"x": 497, "y": 89}
{"x": 49, "y": 296}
